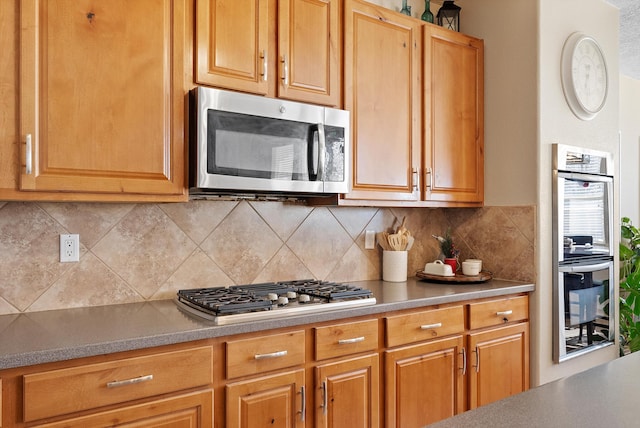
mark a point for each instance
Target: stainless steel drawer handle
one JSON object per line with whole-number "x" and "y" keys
{"x": 271, "y": 355}
{"x": 430, "y": 326}
{"x": 352, "y": 340}
{"x": 28, "y": 155}
{"x": 504, "y": 313}
{"x": 118, "y": 383}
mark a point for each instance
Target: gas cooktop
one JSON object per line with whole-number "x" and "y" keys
{"x": 227, "y": 305}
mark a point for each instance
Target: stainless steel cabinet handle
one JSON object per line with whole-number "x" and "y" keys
{"x": 352, "y": 340}
{"x": 504, "y": 313}
{"x": 263, "y": 57}
{"x": 429, "y": 178}
{"x": 117, "y": 383}
{"x": 430, "y": 326}
{"x": 464, "y": 361}
{"x": 271, "y": 355}
{"x": 414, "y": 180}
{"x": 28, "y": 155}
{"x": 324, "y": 397}
{"x": 303, "y": 406}
{"x": 477, "y": 351}
{"x": 285, "y": 71}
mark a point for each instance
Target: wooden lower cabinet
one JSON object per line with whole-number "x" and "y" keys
{"x": 347, "y": 393}
{"x": 498, "y": 363}
{"x": 275, "y": 401}
{"x": 184, "y": 411}
{"x": 425, "y": 382}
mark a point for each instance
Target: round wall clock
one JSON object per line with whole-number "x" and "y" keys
{"x": 584, "y": 75}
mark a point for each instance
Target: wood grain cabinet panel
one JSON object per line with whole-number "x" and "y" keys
{"x": 383, "y": 59}
{"x": 94, "y": 385}
{"x": 260, "y": 354}
{"x": 425, "y": 383}
{"x": 498, "y": 363}
{"x": 453, "y": 155}
{"x": 102, "y": 90}
{"x": 344, "y": 339}
{"x": 497, "y": 312}
{"x": 424, "y": 325}
{"x": 277, "y": 400}
{"x": 280, "y": 48}
{"x": 348, "y": 393}
{"x": 184, "y": 411}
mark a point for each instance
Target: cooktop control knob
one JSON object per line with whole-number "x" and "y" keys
{"x": 292, "y": 294}
{"x": 303, "y": 298}
{"x": 283, "y": 301}
{"x": 272, "y": 296}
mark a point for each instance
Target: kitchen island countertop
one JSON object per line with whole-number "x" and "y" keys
{"x": 57, "y": 335}
{"x": 603, "y": 396}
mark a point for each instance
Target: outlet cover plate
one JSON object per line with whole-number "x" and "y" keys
{"x": 69, "y": 247}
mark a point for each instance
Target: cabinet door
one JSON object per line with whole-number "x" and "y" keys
{"x": 454, "y": 116}
{"x": 184, "y": 411}
{"x": 383, "y": 55}
{"x": 232, "y": 44}
{"x": 309, "y": 52}
{"x": 274, "y": 401}
{"x": 102, "y": 96}
{"x": 425, "y": 382}
{"x": 498, "y": 363}
{"x": 348, "y": 393}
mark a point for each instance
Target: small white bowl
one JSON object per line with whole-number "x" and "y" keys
{"x": 470, "y": 268}
{"x": 478, "y": 261}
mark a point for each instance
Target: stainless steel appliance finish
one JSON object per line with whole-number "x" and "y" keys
{"x": 250, "y": 144}
{"x": 271, "y": 300}
{"x": 582, "y": 251}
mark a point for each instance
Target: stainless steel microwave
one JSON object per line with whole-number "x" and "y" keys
{"x": 251, "y": 144}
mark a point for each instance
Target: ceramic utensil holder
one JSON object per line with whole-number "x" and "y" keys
{"x": 394, "y": 266}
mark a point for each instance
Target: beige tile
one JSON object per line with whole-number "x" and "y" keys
{"x": 2, "y": 204}
{"x": 320, "y": 242}
{"x": 91, "y": 220}
{"x": 353, "y": 219}
{"x": 354, "y": 266}
{"x": 145, "y": 248}
{"x": 30, "y": 249}
{"x": 7, "y": 308}
{"x": 87, "y": 283}
{"x": 524, "y": 218}
{"x": 198, "y": 271}
{"x": 283, "y": 266}
{"x": 380, "y": 222}
{"x": 242, "y": 244}
{"x": 198, "y": 218}
{"x": 282, "y": 217}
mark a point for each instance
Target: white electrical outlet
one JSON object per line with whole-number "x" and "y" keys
{"x": 69, "y": 247}
{"x": 369, "y": 239}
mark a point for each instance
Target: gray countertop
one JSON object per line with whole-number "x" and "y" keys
{"x": 603, "y": 396}
{"x": 41, "y": 337}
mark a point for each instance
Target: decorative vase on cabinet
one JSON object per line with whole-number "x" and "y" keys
{"x": 405, "y": 9}
{"x": 427, "y": 15}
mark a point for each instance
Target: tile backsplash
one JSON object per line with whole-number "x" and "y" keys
{"x": 137, "y": 252}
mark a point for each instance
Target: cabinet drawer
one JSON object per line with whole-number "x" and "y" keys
{"x": 94, "y": 385}
{"x": 497, "y": 312}
{"x": 344, "y": 339}
{"x": 261, "y": 354}
{"x": 403, "y": 329}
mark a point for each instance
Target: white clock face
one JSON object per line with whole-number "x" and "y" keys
{"x": 584, "y": 76}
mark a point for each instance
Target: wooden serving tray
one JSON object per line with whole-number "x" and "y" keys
{"x": 482, "y": 277}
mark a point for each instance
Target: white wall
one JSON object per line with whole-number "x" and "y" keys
{"x": 525, "y": 113}
{"x": 557, "y": 124}
{"x": 630, "y": 149}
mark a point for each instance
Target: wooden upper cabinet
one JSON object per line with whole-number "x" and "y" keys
{"x": 287, "y": 48}
{"x": 383, "y": 59}
{"x": 102, "y": 88}
{"x": 454, "y": 117}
